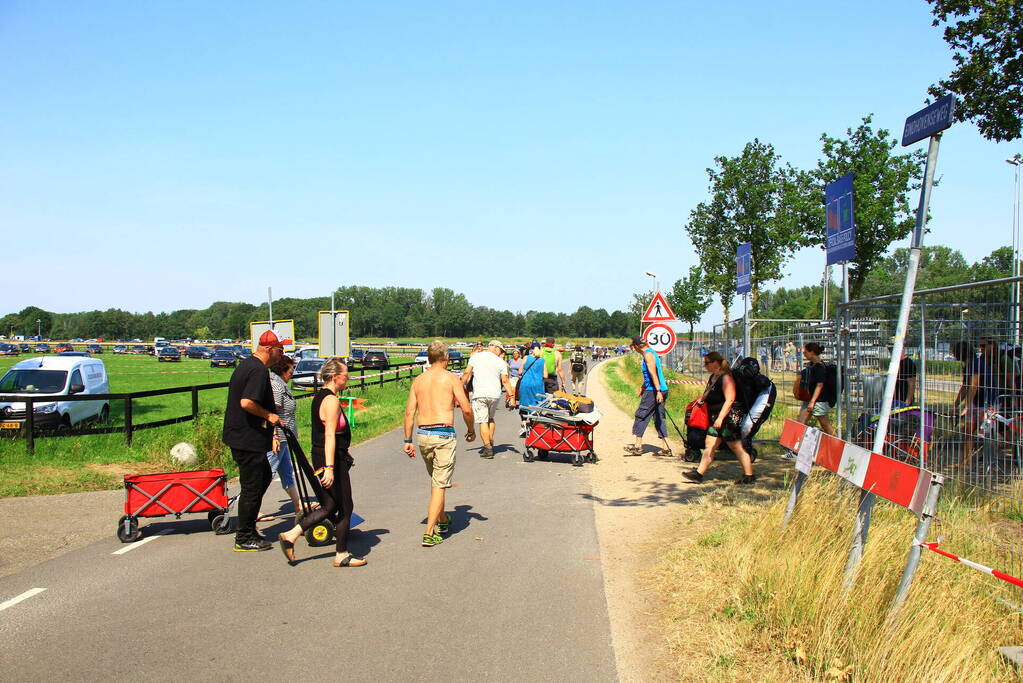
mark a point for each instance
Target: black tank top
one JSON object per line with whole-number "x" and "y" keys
{"x": 342, "y": 439}
{"x": 715, "y": 399}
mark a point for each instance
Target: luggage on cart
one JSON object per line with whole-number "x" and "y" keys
{"x": 175, "y": 493}
{"x": 551, "y": 428}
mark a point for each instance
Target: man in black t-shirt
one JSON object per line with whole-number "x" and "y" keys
{"x": 905, "y": 380}
{"x": 248, "y": 429}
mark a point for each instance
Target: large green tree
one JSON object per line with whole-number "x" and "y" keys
{"x": 689, "y": 298}
{"x": 751, "y": 200}
{"x": 986, "y": 38}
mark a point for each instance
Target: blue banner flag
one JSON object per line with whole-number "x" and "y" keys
{"x": 743, "y": 263}
{"x": 841, "y": 230}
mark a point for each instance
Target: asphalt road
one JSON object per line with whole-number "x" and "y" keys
{"x": 516, "y": 593}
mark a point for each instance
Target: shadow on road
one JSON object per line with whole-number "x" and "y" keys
{"x": 461, "y": 517}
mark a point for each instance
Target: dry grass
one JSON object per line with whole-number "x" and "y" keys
{"x": 746, "y": 601}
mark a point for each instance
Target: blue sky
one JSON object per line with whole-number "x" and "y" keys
{"x": 156, "y": 156}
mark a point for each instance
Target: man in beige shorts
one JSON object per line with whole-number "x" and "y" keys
{"x": 488, "y": 373}
{"x": 431, "y": 399}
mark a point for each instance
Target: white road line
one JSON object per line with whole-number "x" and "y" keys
{"x": 136, "y": 544}
{"x": 24, "y": 596}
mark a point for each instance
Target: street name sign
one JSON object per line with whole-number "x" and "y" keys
{"x": 929, "y": 120}
{"x": 333, "y": 334}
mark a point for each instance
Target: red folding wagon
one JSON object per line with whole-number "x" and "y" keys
{"x": 545, "y": 434}
{"x": 175, "y": 493}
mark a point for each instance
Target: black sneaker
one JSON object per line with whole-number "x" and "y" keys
{"x": 252, "y": 545}
{"x": 693, "y": 475}
{"x": 746, "y": 479}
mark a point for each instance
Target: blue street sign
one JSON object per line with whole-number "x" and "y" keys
{"x": 929, "y": 120}
{"x": 841, "y": 230}
{"x": 743, "y": 262}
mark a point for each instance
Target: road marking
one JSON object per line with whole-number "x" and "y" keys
{"x": 136, "y": 544}
{"x": 24, "y": 596}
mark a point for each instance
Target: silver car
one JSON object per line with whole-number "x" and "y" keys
{"x": 307, "y": 373}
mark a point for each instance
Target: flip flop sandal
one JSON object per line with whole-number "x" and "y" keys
{"x": 288, "y": 548}
{"x": 633, "y": 450}
{"x": 347, "y": 562}
{"x": 664, "y": 452}
{"x": 266, "y": 518}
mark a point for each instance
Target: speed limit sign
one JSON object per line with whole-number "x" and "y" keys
{"x": 660, "y": 338}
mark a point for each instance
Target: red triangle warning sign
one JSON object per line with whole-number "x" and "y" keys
{"x": 658, "y": 310}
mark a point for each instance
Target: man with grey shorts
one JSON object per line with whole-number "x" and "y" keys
{"x": 431, "y": 401}
{"x": 488, "y": 372}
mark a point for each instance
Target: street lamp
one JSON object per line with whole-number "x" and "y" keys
{"x": 1015, "y": 161}
{"x": 654, "y": 276}
{"x": 39, "y": 328}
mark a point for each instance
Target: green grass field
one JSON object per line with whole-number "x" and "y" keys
{"x": 90, "y": 462}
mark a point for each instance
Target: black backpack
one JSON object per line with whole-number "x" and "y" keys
{"x": 578, "y": 362}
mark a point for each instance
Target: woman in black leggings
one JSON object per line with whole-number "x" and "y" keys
{"x": 331, "y": 437}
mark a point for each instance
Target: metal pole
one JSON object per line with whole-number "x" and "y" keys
{"x": 923, "y": 528}
{"x": 797, "y": 486}
{"x": 922, "y": 390}
{"x": 333, "y": 328}
{"x": 867, "y": 499}
{"x": 270, "y": 303}
{"x": 1015, "y": 255}
{"x": 745, "y": 325}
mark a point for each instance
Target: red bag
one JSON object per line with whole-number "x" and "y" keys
{"x": 697, "y": 416}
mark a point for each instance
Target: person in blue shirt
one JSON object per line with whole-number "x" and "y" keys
{"x": 652, "y": 396}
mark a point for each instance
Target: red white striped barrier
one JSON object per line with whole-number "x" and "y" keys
{"x": 685, "y": 381}
{"x": 976, "y": 565}
{"x": 899, "y": 482}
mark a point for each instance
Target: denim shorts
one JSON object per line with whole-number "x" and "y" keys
{"x": 280, "y": 463}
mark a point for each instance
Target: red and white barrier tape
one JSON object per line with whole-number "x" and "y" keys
{"x": 685, "y": 381}
{"x": 979, "y": 567}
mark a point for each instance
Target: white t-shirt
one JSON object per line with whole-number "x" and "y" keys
{"x": 487, "y": 369}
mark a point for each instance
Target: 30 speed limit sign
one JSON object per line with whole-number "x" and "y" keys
{"x": 660, "y": 338}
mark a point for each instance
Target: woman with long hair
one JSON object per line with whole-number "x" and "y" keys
{"x": 331, "y": 437}
{"x": 726, "y": 413}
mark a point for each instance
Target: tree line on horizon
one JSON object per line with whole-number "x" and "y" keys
{"x": 374, "y": 312}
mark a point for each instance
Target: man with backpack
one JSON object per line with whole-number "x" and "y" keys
{"x": 818, "y": 379}
{"x": 555, "y": 367}
{"x": 579, "y": 366}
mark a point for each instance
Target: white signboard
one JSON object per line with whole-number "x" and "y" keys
{"x": 807, "y": 450}
{"x": 333, "y": 334}
{"x": 285, "y": 328}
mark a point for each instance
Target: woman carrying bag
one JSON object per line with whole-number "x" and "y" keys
{"x": 725, "y": 415}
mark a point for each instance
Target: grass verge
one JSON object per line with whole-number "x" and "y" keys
{"x": 746, "y": 601}
{"x": 96, "y": 462}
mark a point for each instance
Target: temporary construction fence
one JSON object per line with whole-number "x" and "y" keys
{"x": 956, "y": 418}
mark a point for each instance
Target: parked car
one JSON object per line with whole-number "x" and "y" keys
{"x": 223, "y": 358}
{"x": 25, "y": 348}
{"x": 243, "y": 354}
{"x": 9, "y": 350}
{"x": 42, "y": 347}
{"x": 422, "y": 358}
{"x": 306, "y": 372}
{"x": 54, "y": 377}
{"x": 356, "y": 356}
{"x": 120, "y": 348}
{"x": 454, "y": 356}
{"x": 137, "y": 350}
{"x": 376, "y": 359}
{"x": 84, "y": 354}
{"x": 94, "y": 349}
{"x": 61, "y": 348}
{"x": 201, "y": 352}
{"x": 168, "y": 353}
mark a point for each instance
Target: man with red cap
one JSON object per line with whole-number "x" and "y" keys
{"x": 248, "y": 430}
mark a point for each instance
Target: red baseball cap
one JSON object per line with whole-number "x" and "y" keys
{"x": 272, "y": 338}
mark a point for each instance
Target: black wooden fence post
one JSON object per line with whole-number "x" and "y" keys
{"x": 195, "y": 402}
{"x": 127, "y": 421}
{"x": 30, "y": 426}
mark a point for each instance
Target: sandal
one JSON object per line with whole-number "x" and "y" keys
{"x": 266, "y": 518}
{"x": 288, "y": 548}
{"x": 348, "y": 562}
{"x": 666, "y": 452}
{"x": 633, "y": 449}
{"x": 693, "y": 476}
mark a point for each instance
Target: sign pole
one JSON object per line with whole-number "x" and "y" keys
{"x": 333, "y": 322}
{"x": 867, "y": 500}
{"x": 745, "y": 325}
{"x": 270, "y": 303}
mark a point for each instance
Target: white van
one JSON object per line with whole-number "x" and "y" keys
{"x": 55, "y": 376}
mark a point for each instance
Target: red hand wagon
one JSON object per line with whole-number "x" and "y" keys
{"x": 175, "y": 493}
{"x": 550, "y": 434}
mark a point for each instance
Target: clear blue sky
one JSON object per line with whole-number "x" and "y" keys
{"x": 156, "y": 156}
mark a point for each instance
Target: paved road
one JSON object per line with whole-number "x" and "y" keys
{"x": 515, "y": 594}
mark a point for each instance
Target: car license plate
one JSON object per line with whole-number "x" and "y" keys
{"x": 10, "y": 425}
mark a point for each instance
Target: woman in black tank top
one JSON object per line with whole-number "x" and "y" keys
{"x": 331, "y": 438}
{"x": 726, "y": 411}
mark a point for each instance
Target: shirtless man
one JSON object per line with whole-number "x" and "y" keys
{"x": 433, "y": 396}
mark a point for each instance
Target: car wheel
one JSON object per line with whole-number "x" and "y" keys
{"x": 104, "y": 415}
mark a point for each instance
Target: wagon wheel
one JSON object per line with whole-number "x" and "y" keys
{"x": 128, "y": 529}
{"x": 541, "y": 454}
{"x": 320, "y": 534}
{"x": 691, "y": 455}
{"x": 528, "y": 455}
{"x": 591, "y": 457}
{"x": 221, "y": 524}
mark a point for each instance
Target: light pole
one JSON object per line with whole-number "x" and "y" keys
{"x": 656, "y": 288}
{"x": 1015, "y": 161}
{"x": 39, "y": 329}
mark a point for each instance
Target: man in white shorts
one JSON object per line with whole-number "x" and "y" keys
{"x": 488, "y": 373}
